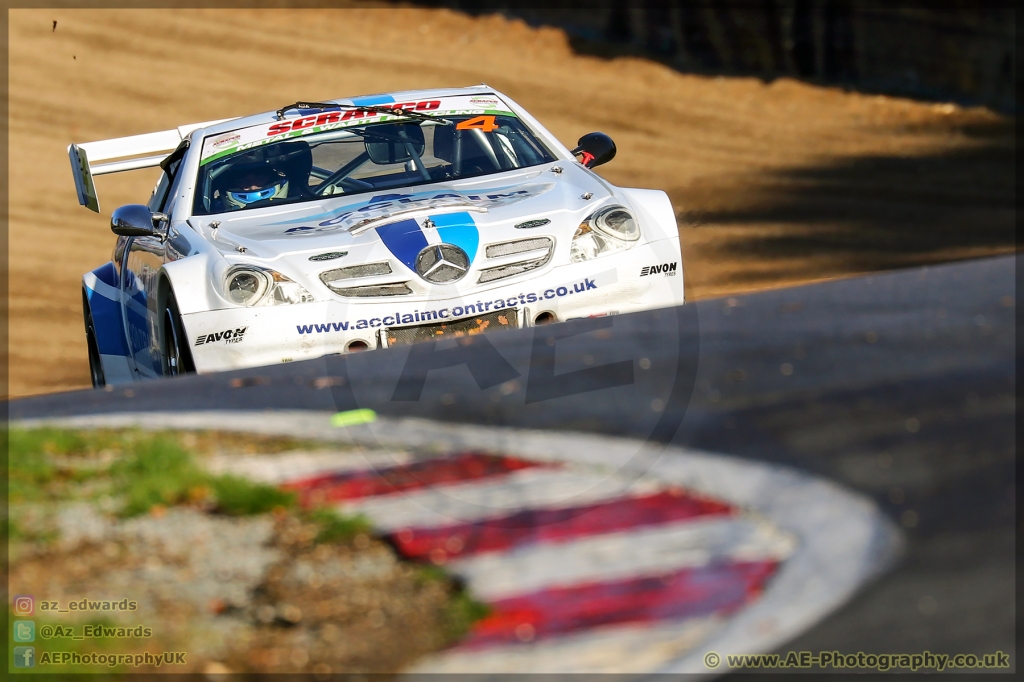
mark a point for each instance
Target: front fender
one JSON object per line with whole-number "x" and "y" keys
{"x": 655, "y": 211}
{"x": 102, "y": 300}
{"x": 193, "y": 280}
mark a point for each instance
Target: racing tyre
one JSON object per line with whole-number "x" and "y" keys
{"x": 95, "y": 364}
{"x": 177, "y": 357}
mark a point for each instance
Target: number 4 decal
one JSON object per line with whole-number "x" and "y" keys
{"x": 484, "y": 123}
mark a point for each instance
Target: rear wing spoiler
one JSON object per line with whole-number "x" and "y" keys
{"x": 123, "y": 154}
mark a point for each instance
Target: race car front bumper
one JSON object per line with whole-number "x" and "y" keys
{"x": 645, "y": 277}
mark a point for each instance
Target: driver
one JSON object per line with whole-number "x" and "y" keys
{"x": 255, "y": 183}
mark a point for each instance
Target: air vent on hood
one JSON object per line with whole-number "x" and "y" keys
{"x": 537, "y": 252}
{"x": 328, "y": 256}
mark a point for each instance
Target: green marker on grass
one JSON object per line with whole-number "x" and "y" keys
{"x": 353, "y": 418}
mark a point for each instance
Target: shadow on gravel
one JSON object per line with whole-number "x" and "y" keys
{"x": 867, "y": 213}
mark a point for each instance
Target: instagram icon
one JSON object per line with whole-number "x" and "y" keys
{"x": 24, "y": 605}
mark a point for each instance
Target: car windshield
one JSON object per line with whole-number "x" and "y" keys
{"x": 304, "y": 165}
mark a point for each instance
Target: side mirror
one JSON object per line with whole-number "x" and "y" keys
{"x": 136, "y": 220}
{"x": 595, "y": 149}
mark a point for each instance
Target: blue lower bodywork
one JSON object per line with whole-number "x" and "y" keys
{"x": 103, "y": 296}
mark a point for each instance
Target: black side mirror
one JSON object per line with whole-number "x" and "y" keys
{"x": 595, "y": 149}
{"x": 136, "y": 220}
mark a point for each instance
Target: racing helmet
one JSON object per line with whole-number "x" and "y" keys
{"x": 249, "y": 184}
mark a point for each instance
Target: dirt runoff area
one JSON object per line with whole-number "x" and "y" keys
{"x": 774, "y": 183}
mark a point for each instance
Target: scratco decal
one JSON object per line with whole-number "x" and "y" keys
{"x": 310, "y": 121}
{"x": 228, "y": 336}
{"x": 265, "y": 133}
{"x": 322, "y": 119}
{"x": 668, "y": 269}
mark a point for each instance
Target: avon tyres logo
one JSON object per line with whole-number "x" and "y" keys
{"x": 229, "y": 336}
{"x": 666, "y": 268}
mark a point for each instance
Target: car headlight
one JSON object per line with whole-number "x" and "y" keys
{"x": 251, "y": 286}
{"x": 609, "y": 230}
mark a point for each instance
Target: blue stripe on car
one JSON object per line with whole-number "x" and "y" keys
{"x": 404, "y": 239}
{"x": 370, "y": 101}
{"x": 458, "y": 229}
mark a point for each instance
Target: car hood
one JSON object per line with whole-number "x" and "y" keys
{"x": 562, "y": 194}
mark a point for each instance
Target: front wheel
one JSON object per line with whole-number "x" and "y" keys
{"x": 177, "y": 358}
{"x": 99, "y": 380}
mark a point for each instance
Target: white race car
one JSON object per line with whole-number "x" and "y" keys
{"x": 362, "y": 223}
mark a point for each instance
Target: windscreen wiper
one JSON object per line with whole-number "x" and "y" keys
{"x": 373, "y": 108}
{"x": 321, "y": 105}
{"x": 396, "y": 111}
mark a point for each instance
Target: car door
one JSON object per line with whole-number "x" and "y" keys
{"x": 143, "y": 259}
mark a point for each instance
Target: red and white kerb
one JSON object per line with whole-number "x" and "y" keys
{"x": 558, "y": 551}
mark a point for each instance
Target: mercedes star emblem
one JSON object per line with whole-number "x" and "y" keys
{"x": 442, "y": 263}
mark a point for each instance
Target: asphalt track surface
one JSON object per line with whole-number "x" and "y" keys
{"x": 900, "y": 386}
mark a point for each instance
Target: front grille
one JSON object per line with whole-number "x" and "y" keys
{"x": 501, "y": 319}
{"x": 521, "y": 246}
{"x": 355, "y": 272}
{"x": 397, "y": 289}
{"x": 504, "y": 271}
{"x": 339, "y": 276}
{"x": 539, "y": 248}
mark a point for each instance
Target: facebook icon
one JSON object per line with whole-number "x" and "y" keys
{"x": 24, "y": 656}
